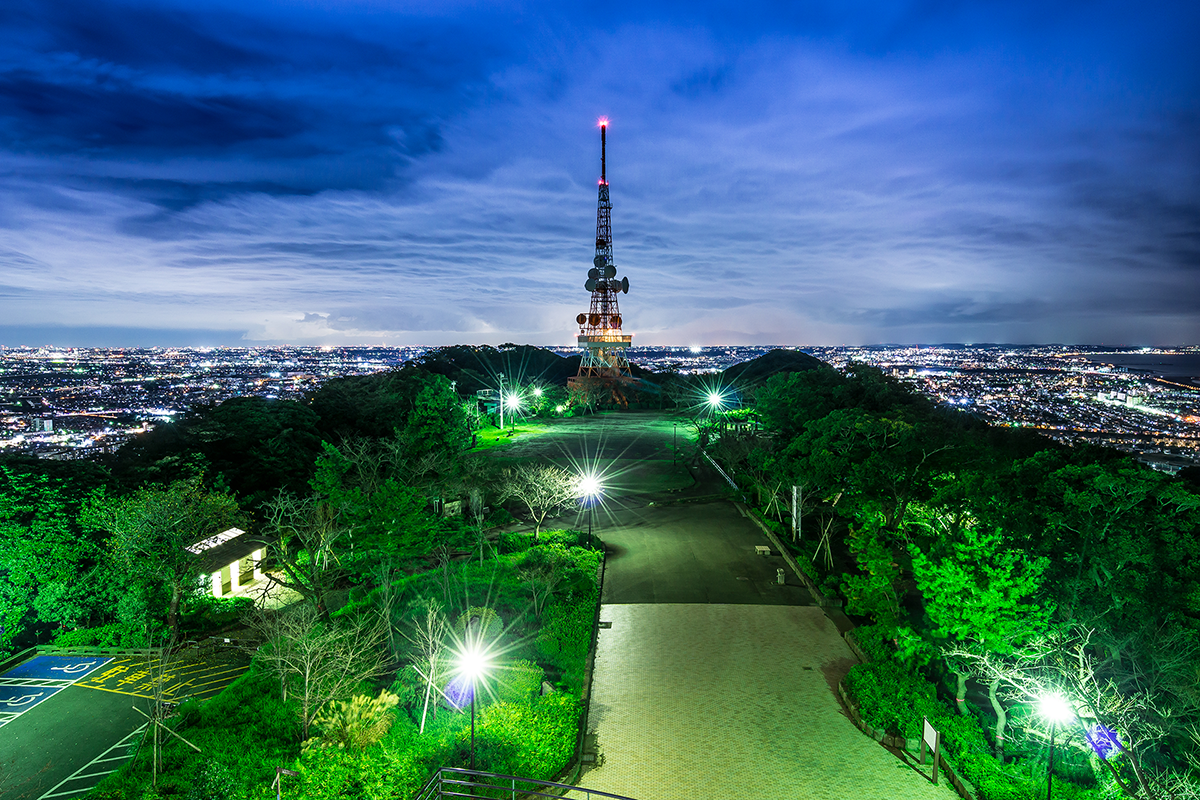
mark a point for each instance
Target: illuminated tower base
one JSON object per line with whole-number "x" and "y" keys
{"x": 604, "y": 356}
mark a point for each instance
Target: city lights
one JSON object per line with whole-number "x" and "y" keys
{"x": 90, "y": 401}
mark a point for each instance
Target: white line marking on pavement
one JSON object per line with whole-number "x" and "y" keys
{"x": 81, "y": 774}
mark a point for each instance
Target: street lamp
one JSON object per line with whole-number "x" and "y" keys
{"x": 589, "y": 491}
{"x": 1055, "y": 709}
{"x": 716, "y": 400}
{"x": 473, "y": 664}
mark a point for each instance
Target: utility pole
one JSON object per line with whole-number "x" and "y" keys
{"x": 501, "y": 398}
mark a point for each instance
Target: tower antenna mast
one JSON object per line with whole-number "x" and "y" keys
{"x": 600, "y": 334}
{"x": 604, "y": 152}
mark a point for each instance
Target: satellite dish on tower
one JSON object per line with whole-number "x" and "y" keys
{"x": 616, "y": 321}
{"x": 593, "y": 273}
{"x": 598, "y": 261}
{"x": 609, "y": 271}
{"x": 625, "y": 285}
{"x": 590, "y": 284}
{"x": 581, "y": 319}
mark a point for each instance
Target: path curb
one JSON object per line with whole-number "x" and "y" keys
{"x": 820, "y": 599}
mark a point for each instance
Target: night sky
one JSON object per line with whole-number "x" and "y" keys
{"x": 425, "y": 173}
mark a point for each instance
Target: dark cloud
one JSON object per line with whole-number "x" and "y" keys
{"x": 102, "y": 116}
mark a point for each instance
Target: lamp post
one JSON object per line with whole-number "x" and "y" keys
{"x": 674, "y": 441}
{"x": 589, "y": 491}
{"x": 1057, "y": 711}
{"x": 473, "y": 664}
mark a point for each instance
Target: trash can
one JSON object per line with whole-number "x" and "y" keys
{"x": 779, "y": 577}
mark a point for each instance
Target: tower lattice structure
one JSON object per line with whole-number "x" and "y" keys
{"x": 600, "y": 334}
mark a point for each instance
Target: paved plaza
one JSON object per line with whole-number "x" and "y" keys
{"x": 726, "y": 701}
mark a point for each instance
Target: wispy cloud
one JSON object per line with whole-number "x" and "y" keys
{"x": 811, "y": 175}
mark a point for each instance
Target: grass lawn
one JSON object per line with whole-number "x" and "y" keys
{"x": 489, "y": 438}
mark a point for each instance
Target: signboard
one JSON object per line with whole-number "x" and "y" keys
{"x": 933, "y": 740}
{"x": 931, "y": 736}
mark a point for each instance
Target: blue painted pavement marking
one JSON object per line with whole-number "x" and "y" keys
{"x": 19, "y": 699}
{"x": 68, "y": 668}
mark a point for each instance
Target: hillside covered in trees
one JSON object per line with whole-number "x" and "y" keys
{"x": 992, "y": 568}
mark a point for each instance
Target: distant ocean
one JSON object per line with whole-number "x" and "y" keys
{"x": 1171, "y": 367}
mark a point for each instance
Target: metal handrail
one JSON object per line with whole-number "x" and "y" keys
{"x": 450, "y": 781}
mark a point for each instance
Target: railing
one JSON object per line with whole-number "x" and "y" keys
{"x": 728, "y": 479}
{"x": 455, "y": 782}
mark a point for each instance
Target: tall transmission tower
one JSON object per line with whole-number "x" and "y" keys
{"x": 600, "y": 336}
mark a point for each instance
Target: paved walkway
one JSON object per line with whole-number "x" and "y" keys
{"x": 709, "y": 701}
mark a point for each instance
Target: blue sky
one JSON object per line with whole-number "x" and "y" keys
{"x": 425, "y": 173}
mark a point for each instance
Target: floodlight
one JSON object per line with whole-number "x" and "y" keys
{"x": 716, "y": 399}
{"x": 512, "y": 401}
{"x": 589, "y": 486}
{"x": 473, "y": 663}
{"x": 1055, "y": 709}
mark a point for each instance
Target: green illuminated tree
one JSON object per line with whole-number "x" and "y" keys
{"x": 53, "y": 571}
{"x": 981, "y": 596}
{"x": 150, "y": 530}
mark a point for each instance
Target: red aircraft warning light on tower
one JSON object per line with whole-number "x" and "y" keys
{"x": 600, "y": 336}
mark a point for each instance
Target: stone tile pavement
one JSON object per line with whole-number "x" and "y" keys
{"x": 703, "y": 701}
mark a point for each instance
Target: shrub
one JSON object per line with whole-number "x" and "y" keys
{"x": 484, "y": 622}
{"x": 213, "y": 781}
{"x": 563, "y": 538}
{"x": 564, "y": 640}
{"x": 534, "y": 740}
{"x": 355, "y": 724}
{"x": 873, "y": 642}
{"x": 519, "y": 682}
{"x": 891, "y": 698}
{"x": 102, "y": 636}
{"x": 202, "y": 611}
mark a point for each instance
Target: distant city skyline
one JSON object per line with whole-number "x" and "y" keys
{"x": 84, "y": 402}
{"x": 258, "y": 173}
